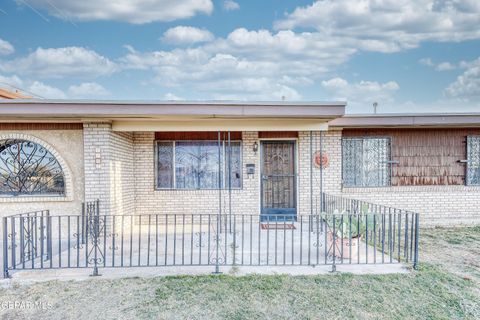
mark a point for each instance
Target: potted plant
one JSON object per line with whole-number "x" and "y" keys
{"x": 346, "y": 230}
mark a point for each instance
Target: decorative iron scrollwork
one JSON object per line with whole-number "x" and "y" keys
{"x": 28, "y": 168}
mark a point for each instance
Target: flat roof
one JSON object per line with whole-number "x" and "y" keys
{"x": 35, "y": 108}
{"x": 407, "y": 120}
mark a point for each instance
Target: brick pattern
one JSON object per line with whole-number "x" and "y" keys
{"x": 109, "y": 168}
{"x": 151, "y": 201}
{"x": 310, "y": 176}
{"x": 120, "y": 170}
{"x": 438, "y": 205}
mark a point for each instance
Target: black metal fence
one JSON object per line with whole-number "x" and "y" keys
{"x": 347, "y": 232}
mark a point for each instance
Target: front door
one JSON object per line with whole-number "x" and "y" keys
{"x": 278, "y": 180}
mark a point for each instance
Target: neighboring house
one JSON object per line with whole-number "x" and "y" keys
{"x": 275, "y": 157}
{"x": 7, "y": 94}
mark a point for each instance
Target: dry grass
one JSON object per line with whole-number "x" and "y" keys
{"x": 445, "y": 287}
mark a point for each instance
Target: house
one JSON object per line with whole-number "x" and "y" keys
{"x": 271, "y": 157}
{"x": 7, "y": 94}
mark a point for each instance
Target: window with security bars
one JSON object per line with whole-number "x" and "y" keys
{"x": 366, "y": 162}
{"x": 473, "y": 160}
{"x": 195, "y": 165}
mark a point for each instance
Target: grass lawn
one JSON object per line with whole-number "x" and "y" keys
{"x": 447, "y": 286}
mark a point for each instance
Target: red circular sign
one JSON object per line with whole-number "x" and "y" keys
{"x": 320, "y": 159}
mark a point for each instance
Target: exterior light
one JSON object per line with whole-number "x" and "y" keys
{"x": 255, "y": 147}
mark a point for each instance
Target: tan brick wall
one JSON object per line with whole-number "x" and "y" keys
{"x": 438, "y": 205}
{"x": 67, "y": 147}
{"x": 150, "y": 201}
{"x": 109, "y": 168}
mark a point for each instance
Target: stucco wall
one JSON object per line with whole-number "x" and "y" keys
{"x": 67, "y": 146}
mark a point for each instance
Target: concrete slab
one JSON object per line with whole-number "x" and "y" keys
{"x": 28, "y": 277}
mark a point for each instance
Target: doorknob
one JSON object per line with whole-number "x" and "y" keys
{"x": 264, "y": 177}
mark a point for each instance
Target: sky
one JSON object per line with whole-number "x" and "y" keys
{"x": 405, "y": 55}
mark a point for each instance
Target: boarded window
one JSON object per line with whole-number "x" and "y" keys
{"x": 366, "y": 162}
{"x": 195, "y": 164}
{"x": 426, "y": 156}
{"x": 473, "y": 160}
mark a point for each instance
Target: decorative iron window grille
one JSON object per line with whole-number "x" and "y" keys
{"x": 27, "y": 168}
{"x": 194, "y": 165}
{"x": 366, "y": 162}
{"x": 473, "y": 160}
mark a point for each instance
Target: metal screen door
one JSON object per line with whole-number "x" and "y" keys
{"x": 278, "y": 180}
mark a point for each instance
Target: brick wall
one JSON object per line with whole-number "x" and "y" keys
{"x": 109, "y": 168}
{"x": 151, "y": 201}
{"x": 120, "y": 170}
{"x": 441, "y": 205}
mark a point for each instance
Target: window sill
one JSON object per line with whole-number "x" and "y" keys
{"x": 392, "y": 189}
{"x": 33, "y": 198}
{"x": 207, "y": 191}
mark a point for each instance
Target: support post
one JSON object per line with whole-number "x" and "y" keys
{"x": 83, "y": 224}
{"x": 96, "y": 234}
{"x": 219, "y": 216}
{"x": 415, "y": 254}
{"x": 334, "y": 244}
{"x": 5, "y": 248}
{"x": 322, "y": 202}
{"x": 229, "y": 183}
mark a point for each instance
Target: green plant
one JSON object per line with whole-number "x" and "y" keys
{"x": 346, "y": 224}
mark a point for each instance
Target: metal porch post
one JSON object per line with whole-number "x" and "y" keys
{"x": 415, "y": 254}
{"x": 217, "y": 236}
{"x": 5, "y": 249}
{"x": 96, "y": 233}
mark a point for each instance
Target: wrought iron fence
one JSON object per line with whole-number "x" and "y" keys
{"x": 348, "y": 232}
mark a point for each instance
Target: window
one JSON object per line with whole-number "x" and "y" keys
{"x": 27, "y": 168}
{"x": 366, "y": 162}
{"x": 194, "y": 165}
{"x": 473, "y": 160}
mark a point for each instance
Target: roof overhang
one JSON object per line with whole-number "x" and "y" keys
{"x": 178, "y": 115}
{"x": 407, "y": 120}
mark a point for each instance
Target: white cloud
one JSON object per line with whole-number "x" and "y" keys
{"x": 467, "y": 86}
{"x": 230, "y": 5}
{"x": 45, "y": 91}
{"x": 132, "y": 11}
{"x": 389, "y": 25}
{"x": 254, "y": 64}
{"x": 6, "y": 48}
{"x": 61, "y": 62}
{"x": 11, "y": 81}
{"x": 87, "y": 90}
{"x": 187, "y": 35}
{"x": 442, "y": 66}
{"x": 361, "y": 94}
{"x": 171, "y": 97}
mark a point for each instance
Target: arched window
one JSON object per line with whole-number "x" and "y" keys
{"x": 27, "y": 168}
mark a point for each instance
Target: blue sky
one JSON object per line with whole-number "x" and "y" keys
{"x": 406, "y": 55}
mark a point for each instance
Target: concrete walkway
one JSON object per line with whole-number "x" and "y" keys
{"x": 27, "y": 277}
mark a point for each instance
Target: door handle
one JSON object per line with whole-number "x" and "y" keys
{"x": 264, "y": 177}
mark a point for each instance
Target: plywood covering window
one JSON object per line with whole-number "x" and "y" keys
{"x": 425, "y": 156}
